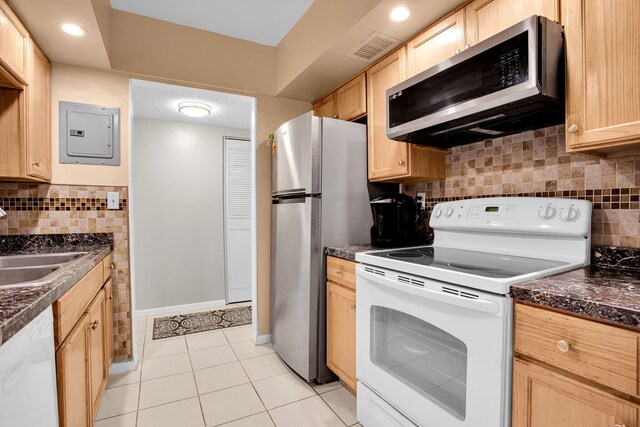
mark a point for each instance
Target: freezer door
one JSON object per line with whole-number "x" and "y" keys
{"x": 296, "y": 156}
{"x": 295, "y": 282}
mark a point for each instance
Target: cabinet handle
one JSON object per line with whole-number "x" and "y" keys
{"x": 572, "y": 128}
{"x": 401, "y": 163}
{"x": 619, "y": 425}
{"x": 37, "y": 164}
{"x": 339, "y": 272}
{"x": 335, "y": 116}
{"x": 353, "y": 306}
{"x": 564, "y": 346}
{"x": 457, "y": 51}
{"x": 94, "y": 325}
{"x": 467, "y": 46}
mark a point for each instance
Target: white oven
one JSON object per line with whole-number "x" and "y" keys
{"x": 434, "y": 323}
{"x": 436, "y": 351}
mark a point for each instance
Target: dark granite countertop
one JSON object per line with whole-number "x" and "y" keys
{"x": 347, "y": 252}
{"x": 608, "y": 290}
{"x": 20, "y": 305}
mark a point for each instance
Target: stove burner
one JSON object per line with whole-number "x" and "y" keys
{"x": 405, "y": 255}
{"x": 428, "y": 251}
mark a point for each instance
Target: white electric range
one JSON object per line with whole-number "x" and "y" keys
{"x": 434, "y": 323}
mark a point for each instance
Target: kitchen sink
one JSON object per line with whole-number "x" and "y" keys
{"x": 15, "y": 261}
{"x": 27, "y": 276}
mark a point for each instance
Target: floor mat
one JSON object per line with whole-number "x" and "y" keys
{"x": 192, "y": 323}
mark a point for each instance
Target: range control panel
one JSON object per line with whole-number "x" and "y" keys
{"x": 535, "y": 215}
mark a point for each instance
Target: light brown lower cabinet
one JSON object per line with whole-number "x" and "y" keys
{"x": 573, "y": 372}
{"x": 544, "y": 398}
{"x": 341, "y": 320}
{"x": 84, "y": 355}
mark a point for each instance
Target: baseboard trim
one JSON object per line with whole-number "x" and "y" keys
{"x": 183, "y": 307}
{"x": 262, "y": 339}
{"x": 118, "y": 368}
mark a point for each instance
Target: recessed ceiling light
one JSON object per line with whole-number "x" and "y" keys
{"x": 194, "y": 109}
{"x": 400, "y": 13}
{"x": 73, "y": 29}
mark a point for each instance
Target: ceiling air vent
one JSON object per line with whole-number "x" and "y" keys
{"x": 373, "y": 46}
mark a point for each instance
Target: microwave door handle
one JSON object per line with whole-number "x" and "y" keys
{"x": 484, "y": 306}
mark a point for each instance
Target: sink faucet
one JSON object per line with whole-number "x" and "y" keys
{"x": 2, "y": 213}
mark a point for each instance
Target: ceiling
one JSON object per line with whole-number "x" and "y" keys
{"x": 259, "y": 21}
{"x": 160, "y": 101}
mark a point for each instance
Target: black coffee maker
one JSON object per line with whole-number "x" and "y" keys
{"x": 394, "y": 221}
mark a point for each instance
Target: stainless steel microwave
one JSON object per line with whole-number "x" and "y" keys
{"x": 510, "y": 82}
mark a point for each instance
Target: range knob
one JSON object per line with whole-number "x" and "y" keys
{"x": 547, "y": 212}
{"x": 571, "y": 215}
{"x": 437, "y": 212}
{"x": 448, "y": 212}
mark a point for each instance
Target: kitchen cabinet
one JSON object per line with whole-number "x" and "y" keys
{"x": 572, "y": 371}
{"x": 25, "y": 104}
{"x": 389, "y": 160}
{"x": 603, "y": 85}
{"x": 485, "y": 18}
{"x": 83, "y": 333}
{"x": 14, "y": 44}
{"x": 326, "y": 107}
{"x": 351, "y": 98}
{"x": 437, "y": 43}
{"x": 348, "y": 102}
{"x": 341, "y": 320}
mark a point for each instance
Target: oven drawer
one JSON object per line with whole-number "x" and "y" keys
{"x": 342, "y": 272}
{"x": 602, "y": 353}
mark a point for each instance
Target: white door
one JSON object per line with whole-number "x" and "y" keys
{"x": 237, "y": 208}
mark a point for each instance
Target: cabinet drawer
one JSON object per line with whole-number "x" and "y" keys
{"x": 602, "y": 353}
{"x": 107, "y": 267}
{"x": 70, "y": 307}
{"x": 341, "y": 271}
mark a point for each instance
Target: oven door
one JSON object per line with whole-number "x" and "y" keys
{"x": 438, "y": 353}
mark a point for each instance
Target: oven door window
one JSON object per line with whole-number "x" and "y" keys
{"x": 422, "y": 356}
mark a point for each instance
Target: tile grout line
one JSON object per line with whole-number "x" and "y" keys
{"x": 193, "y": 372}
{"x": 257, "y": 394}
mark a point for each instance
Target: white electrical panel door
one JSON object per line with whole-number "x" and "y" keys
{"x": 237, "y": 204}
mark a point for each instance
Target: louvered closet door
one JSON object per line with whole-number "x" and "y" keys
{"x": 238, "y": 218}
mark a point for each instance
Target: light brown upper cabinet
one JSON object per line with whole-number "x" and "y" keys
{"x": 25, "y": 104}
{"x": 352, "y": 98}
{"x": 603, "y": 83}
{"x": 14, "y": 43}
{"x": 326, "y": 107}
{"x": 437, "y": 43}
{"x": 485, "y": 18}
{"x": 39, "y": 115}
{"x": 390, "y": 160}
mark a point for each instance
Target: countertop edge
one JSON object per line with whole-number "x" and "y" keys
{"x": 57, "y": 288}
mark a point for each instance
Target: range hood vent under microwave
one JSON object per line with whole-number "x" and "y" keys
{"x": 509, "y": 83}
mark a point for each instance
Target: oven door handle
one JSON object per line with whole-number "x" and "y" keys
{"x": 489, "y": 307}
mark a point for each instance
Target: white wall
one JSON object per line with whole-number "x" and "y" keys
{"x": 178, "y": 184}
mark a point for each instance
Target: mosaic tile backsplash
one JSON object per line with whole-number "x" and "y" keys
{"x": 536, "y": 164}
{"x": 63, "y": 209}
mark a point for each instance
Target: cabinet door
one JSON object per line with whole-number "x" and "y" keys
{"x": 351, "y": 98}
{"x": 14, "y": 43}
{"x": 485, "y": 18}
{"x": 108, "y": 324}
{"x": 603, "y": 83}
{"x": 97, "y": 346}
{"x": 72, "y": 366}
{"x": 543, "y": 398}
{"x": 341, "y": 333}
{"x": 439, "y": 42}
{"x": 326, "y": 107}
{"x": 39, "y": 113}
{"x": 386, "y": 158}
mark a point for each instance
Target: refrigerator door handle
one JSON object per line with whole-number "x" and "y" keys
{"x": 289, "y": 192}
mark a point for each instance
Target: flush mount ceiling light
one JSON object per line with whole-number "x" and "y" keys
{"x": 194, "y": 109}
{"x": 73, "y": 29}
{"x": 400, "y": 13}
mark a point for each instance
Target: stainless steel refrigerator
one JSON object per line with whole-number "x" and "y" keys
{"x": 319, "y": 198}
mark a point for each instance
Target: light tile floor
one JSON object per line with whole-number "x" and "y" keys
{"x": 218, "y": 378}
